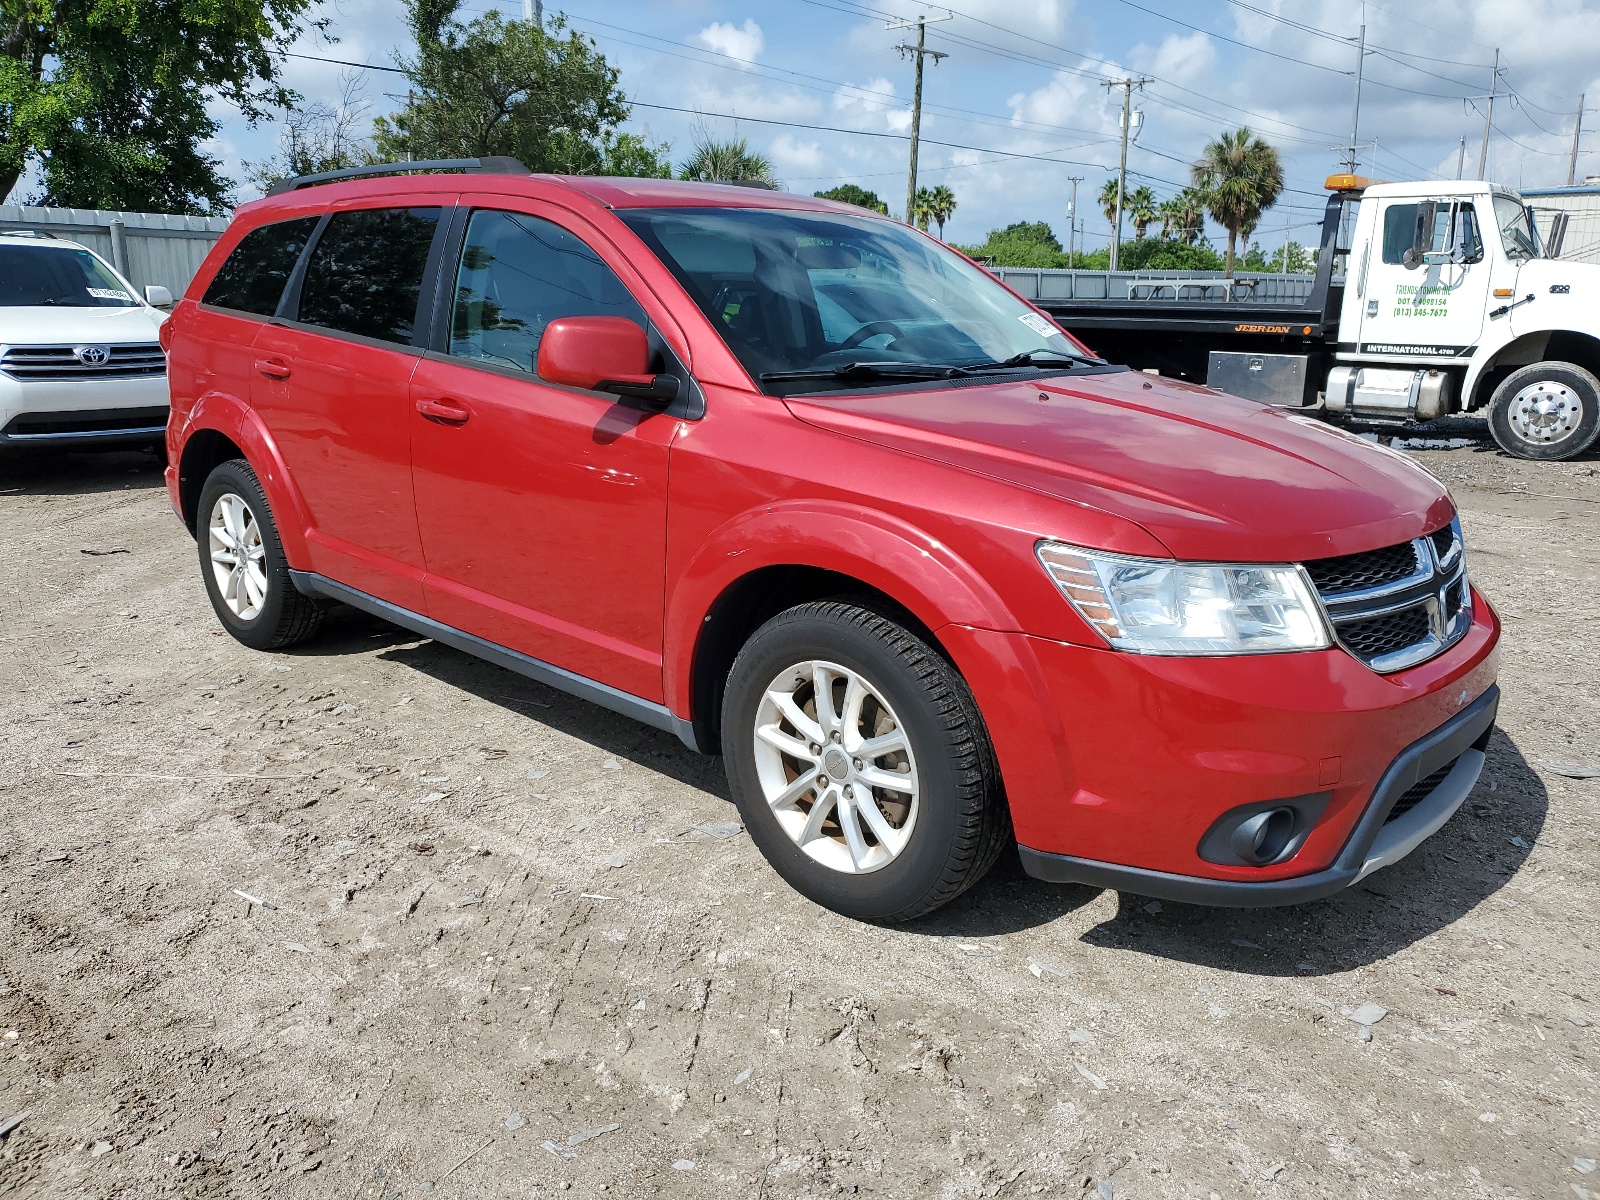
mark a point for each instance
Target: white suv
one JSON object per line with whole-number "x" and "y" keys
{"x": 80, "y": 363}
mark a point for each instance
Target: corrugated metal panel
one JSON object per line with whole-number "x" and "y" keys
{"x": 1582, "y": 206}
{"x": 163, "y": 248}
{"x": 1046, "y": 283}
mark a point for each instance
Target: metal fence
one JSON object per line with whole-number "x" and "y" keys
{"x": 146, "y": 247}
{"x": 1045, "y": 283}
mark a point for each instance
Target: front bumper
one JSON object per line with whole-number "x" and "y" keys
{"x": 1375, "y": 843}
{"x": 1117, "y": 765}
{"x": 82, "y": 412}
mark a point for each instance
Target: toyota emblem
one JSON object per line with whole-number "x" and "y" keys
{"x": 93, "y": 356}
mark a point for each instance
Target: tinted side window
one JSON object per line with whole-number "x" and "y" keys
{"x": 1455, "y": 228}
{"x": 253, "y": 276}
{"x": 366, "y": 270}
{"x": 517, "y": 274}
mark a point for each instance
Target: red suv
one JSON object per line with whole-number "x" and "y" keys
{"x": 804, "y": 487}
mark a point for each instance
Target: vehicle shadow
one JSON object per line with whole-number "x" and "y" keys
{"x": 1461, "y": 867}
{"x": 348, "y": 631}
{"x": 1453, "y": 872}
{"x": 78, "y": 473}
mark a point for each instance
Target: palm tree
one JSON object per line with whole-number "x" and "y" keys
{"x": 727, "y": 162}
{"x": 936, "y": 204}
{"x": 1241, "y": 177}
{"x": 1140, "y": 205}
{"x": 1184, "y": 216}
{"x": 1108, "y": 203}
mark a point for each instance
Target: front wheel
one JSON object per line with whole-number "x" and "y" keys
{"x": 860, "y": 764}
{"x": 241, "y": 560}
{"x": 1550, "y": 411}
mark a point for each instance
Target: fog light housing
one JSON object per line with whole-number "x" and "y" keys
{"x": 1264, "y": 833}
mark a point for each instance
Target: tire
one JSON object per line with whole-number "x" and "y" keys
{"x": 935, "y": 843}
{"x": 266, "y": 613}
{"x": 1549, "y": 411}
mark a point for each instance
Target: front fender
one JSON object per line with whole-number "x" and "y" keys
{"x": 236, "y": 421}
{"x": 900, "y": 560}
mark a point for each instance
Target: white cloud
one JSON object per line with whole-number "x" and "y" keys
{"x": 872, "y": 105}
{"x": 790, "y": 156}
{"x": 744, "y": 44}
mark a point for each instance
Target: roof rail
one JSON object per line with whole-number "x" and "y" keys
{"x": 28, "y": 233}
{"x": 497, "y": 165}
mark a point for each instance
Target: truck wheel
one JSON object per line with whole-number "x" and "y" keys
{"x": 1550, "y": 410}
{"x": 241, "y": 561}
{"x": 860, "y": 764}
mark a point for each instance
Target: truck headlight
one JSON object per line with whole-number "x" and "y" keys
{"x": 1159, "y": 606}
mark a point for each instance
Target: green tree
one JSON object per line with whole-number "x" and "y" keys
{"x": 543, "y": 95}
{"x": 849, "y": 193}
{"x": 1108, "y": 203}
{"x": 1140, "y": 205}
{"x": 1184, "y": 216}
{"x": 937, "y": 204}
{"x": 1241, "y": 176}
{"x": 109, "y": 97}
{"x": 1300, "y": 263}
{"x": 727, "y": 162}
{"x": 1023, "y": 244}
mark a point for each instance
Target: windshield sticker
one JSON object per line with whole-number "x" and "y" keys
{"x": 109, "y": 294}
{"x": 1421, "y": 300}
{"x": 1040, "y": 325}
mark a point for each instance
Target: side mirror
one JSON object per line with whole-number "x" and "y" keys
{"x": 1422, "y": 236}
{"x": 603, "y": 354}
{"x": 157, "y": 296}
{"x": 1557, "y": 234}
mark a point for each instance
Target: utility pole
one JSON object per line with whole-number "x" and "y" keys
{"x": 1461, "y": 157}
{"x": 533, "y": 12}
{"x": 1127, "y": 86}
{"x": 1288, "y": 223}
{"x": 1072, "y": 219}
{"x": 920, "y": 52}
{"x": 1488, "y": 116}
{"x": 1351, "y": 160}
{"x": 1577, "y": 132}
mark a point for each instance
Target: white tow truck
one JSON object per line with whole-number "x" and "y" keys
{"x": 1429, "y": 299}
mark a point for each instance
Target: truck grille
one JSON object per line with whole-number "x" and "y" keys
{"x": 1418, "y": 792}
{"x": 1399, "y": 605}
{"x": 68, "y": 362}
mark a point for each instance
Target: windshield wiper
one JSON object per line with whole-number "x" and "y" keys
{"x": 868, "y": 370}
{"x": 1034, "y": 358}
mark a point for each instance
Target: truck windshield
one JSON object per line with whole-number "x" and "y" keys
{"x": 58, "y": 275}
{"x": 1516, "y": 228}
{"x": 809, "y": 294}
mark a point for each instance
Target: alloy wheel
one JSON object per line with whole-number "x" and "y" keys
{"x": 238, "y": 557}
{"x": 836, "y": 766}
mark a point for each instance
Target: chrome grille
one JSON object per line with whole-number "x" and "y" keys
{"x": 132, "y": 359}
{"x": 1399, "y": 605}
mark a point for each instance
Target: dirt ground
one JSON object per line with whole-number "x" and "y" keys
{"x": 374, "y": 919}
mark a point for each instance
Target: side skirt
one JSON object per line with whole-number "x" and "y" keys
{"x": 648, "y": 712}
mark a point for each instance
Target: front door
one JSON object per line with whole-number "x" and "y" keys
{"x": 542, "y": 508}
{"x": 333, "y": 387}
{"x": 1427, "y": 307}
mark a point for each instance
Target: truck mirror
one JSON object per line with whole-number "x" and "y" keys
{"x": 1557, "y": 234}
{"x": 1422, "y": 238}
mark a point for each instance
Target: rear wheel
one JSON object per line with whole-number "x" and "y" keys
{"x": 860, "y": 764}
{"x": 1550, "y": 410}
{"x": 242, "y": 563}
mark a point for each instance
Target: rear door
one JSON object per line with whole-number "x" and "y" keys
{"x": 333, "y": 377}
{"x": 1427, "y": 310}
{"x": 542, "y": 507}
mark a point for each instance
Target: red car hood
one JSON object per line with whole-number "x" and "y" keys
{"x": 1213, "y": 477}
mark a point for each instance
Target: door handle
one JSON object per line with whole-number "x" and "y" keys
{"x": 444, "y": 411}
{"x": 273, "y": 368}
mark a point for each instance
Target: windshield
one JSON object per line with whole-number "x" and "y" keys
{"x": 1516, "y": 228}
{"x": 58, "y": 275}
{"x": 815, "y": 292}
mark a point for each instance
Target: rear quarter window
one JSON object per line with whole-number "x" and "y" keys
{"x": 252, "y": 278}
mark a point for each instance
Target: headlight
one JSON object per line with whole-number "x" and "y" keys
{"x": 1158, "y": 606}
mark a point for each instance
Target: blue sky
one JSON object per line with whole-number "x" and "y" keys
{"x": 1019, "y": 106}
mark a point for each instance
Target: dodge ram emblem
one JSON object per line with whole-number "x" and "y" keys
{"x": 93, "y": 356}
